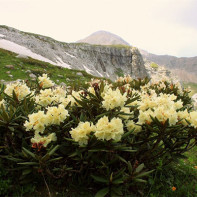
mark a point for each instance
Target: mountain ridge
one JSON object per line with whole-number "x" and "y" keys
{"x": 102, "y": 61}
{"x": 184, "y": 67}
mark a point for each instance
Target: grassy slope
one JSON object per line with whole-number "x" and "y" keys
{"x": 37, "y": 67}
{"x": 193, "y": 87}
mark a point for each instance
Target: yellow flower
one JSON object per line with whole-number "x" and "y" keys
{"x": 45, "y": 82}
{"x": 107, "y": 130}
{"x": 81, "y": 132}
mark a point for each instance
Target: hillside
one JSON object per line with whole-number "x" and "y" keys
{"x": 97, "y": 60}
{"x": 13, "y": 68}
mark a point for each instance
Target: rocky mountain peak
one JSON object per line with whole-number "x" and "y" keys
{"x": 104, "y": 38}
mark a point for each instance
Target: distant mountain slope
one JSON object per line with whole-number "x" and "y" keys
{"x": 98, "y": 60}
{"x": 14, "y": 67}
{"x": 184, "y": 67}
{"x": 104, "y": 38}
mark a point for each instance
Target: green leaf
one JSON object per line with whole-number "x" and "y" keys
{"x": 144, "y": 174}
{"x": 11, "y": 128}
{"x": 55, "y": 159}
{"x": 121, "y": 159}
{"x": 128, "y": 133}
{"x": 130, "y": 167}
{"x": 45, "y": 157}
{"x": 53, "y": 150}
{"x": 99, "y": 179}
{"x": 139, "y": 168}
{"x": 140, "y": 180}
{"x": 28, "y": 163}
{"x": 29, "y": 153}
{"x": 26, "y": 171}
{"x": 103, "y": 192}
{"x": 118, "y": 181}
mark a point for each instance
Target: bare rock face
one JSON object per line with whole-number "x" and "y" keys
{"x": 99, "y": 60}
{"x": 139, "y": 70}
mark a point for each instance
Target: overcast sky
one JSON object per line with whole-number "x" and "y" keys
{"x": 158, "y": 26}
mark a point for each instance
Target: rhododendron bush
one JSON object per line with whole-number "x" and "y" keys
{"x": 105, "y": 137}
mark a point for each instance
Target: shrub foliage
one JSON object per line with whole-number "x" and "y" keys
{"x": 105, "y": 138}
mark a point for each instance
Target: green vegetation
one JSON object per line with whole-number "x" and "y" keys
{"x": 193, "y": 87}
{"x": 22, "y": 65}
{"x": 119, "y": 72}
{"x": 154, "y": 65}
{"x": 182, "y": 175}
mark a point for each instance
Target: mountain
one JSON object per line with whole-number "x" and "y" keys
{"x": 97, "y": 60}
{"x": 184, "y": 67}
{"x": 104, "y": 38}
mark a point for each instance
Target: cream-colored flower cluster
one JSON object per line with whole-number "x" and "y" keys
{"x": 20, "y": 88}
{"x": 107, "y": 130}
{"x": 162, "y": 107}
{"x": 113, "y": 99}
{"x": 44, "y": 140}
{"x": 103, "y": 130}
{"x": 81, "y": 132}
{"x": 126, "y": 79}
{"x": 39, "y": 121}
{"x": 130, "y": 124}
{"x": 45, "y": 82}
{"x": 50, "y": 96}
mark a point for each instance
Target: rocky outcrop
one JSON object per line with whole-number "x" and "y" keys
{"x": 160, "y": 72}
{"x": 184, "y": 67}
{"x": 98, "y": 60}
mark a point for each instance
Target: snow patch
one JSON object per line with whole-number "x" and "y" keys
{"x": 88, "y": 70}
{"x": 59, "y": 62}
{"x": 2, "y": 36}
{"x": 70, "y": 55}
{"x": 99, "y": 73}
{"x": 11, "y": 46}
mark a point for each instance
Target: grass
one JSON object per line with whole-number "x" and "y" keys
{"x": 193, "y": 87}
{"x": 119, "y": 72}
{"x": 154, "y": 65}
{"x": 21, "y": 65}
{"x": 181, "y": 175}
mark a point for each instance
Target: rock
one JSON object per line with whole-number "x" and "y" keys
{"x": 22, "y": 56}
{"x": 194, "y": 100}
{"x": 10, "y": 76}
{"x": 32, "y": 75}
{"x": 9, "y": 67}
{"x": 28, "y": 71}
{"x": 8, "y": 72}
{"x": 2, "y": 81}
{"x": 57, "y": 80}
{"x": 79, "y": 74}
{"x": 60, "y": 76}
{"x": 63, "y": 84}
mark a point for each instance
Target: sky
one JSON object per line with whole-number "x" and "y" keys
{"x": 157, "y": 26}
